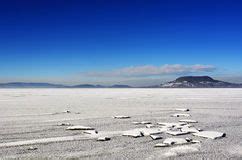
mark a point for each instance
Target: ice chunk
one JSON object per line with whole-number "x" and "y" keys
{"x": 67, "y": 111}
{"x": 136, "y": 123}
{"x": 142, "y": 122}
{"x": 172, "y": 141}
{"x": 63, "y": 124}
{"x": 80, "y": 128}
{"x": 188, "y": 121}
{"x": 133, "y": 133}
{"x": 179, "y": 141}
{"x": 150, "y": 126}
{"x": 196, "y": 141}
{"x": 156, "y": 136}
{"x": 210, "y": 134}
{"x": 32, "y": 148}
{"x": 176, "y": 133}
{"x": 180, "y": 115}
{"x": 189, "y": 125}
{"x": 145, "y": 122}
{"x": 161, "y": 145}
{"x": 182, "y": 109}
{"x": 91, "y": 132}
{"x": 121, "y": 117}
{"x": 171, "y": 125}
{"x": 189, "y": 129}
{"x": 150, "y": 131}
{"x": 103, "y": 139}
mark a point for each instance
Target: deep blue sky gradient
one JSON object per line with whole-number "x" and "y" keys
{"x": 45, "y": 38}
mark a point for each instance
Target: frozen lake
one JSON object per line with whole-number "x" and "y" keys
{"x": 29, "y": 114}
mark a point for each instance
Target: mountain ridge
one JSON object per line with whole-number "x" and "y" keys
{"x": 50, "y": 85}
{"x": 180, "y": 82}
{"x": 199, "y": 82}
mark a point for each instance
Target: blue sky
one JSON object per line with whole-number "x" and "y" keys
{"x": 76, "y": 41}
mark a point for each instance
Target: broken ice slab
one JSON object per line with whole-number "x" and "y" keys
{"x": 151, "y": 131}
{"x": 180, "y": 115}
{"x": 188, "y": 125}
{"x": 176, "y": 141}
{"x": 182, "y": 109}
{"x": 179, "y": 141}
{"x": 210, "y": 134}
{"x": 133, "y": 133}
{"x": 67, "y": 111}
{"x": 142, "y": 122}
{"x": 90, "y": 132}
{"x": 103, "y": 139}
{"x": 121, "y": 117}
{"x": 145, "y": 122}
{"x": 156, "y": 136}
{"x": 136, "y": 123}
{"x": 172, "y": 141}
{"x": 176, "y": 133}
{"x": 171, "y": 125}
{"x": 150, "y": 126}
{"x": 63, "y": 124}
{"x": 80, "y": 128}
{"x": 189, "y": 129}
{"x": 161, "y": 145}
{"x": 177, "y": 127}
{"x": 32, "y": 148}
{"x": 196, "y": 141}
{"x": 188, "y": 121}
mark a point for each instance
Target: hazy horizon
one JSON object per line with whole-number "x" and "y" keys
{"x": 135, "y": 83}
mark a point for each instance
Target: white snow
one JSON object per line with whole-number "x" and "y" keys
{"x": 42, "y": 141}
{"x": 181, "y": 150}
{"x": 30, "y": 117}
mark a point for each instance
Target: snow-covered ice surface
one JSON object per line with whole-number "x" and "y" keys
{"x": 29, "y": 118}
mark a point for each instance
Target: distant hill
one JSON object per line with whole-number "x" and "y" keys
{"x": 30, "y": 85}
{"x": 199, "y": 82}
{"x": 49, "y": 85}
{"x": 120, "y": 86}
{"x": 87, "y": 86}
